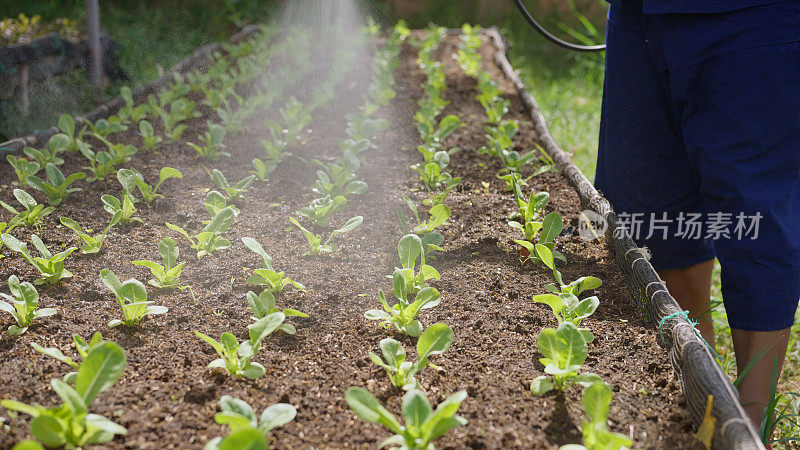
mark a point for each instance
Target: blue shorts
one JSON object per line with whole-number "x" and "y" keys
{"x": 699, "y": 147}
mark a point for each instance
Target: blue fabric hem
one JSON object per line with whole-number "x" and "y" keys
{"x": 759, "y": 325}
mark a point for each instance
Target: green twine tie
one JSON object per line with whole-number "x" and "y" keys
{"x": 685, "y": 315}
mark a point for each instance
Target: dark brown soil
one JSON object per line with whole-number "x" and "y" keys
{"x": 167, "y": 397}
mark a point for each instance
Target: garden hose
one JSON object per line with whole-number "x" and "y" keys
{"x": 552, "y": 38}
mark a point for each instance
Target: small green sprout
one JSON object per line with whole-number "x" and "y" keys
{"x": 423, "y": 425}
{"x": 167, "y": 275}
{"x": 57, "y": 187}
{"x": 71, "y": 425}
{"x": 209, "y": 240}
{"x": 131, "y": 297}
{"x": 236, "y": 191}
{"x": 263, "y": 304}
{"x": 247, "y": 430}
{"x": 267, "y": 276}
{"x": 434, "y": 341}
{"x": 564, "y": 350}
{"x": 91, "y": 244}
{"x": 596, "y": 435}
{"x": 315, "y": 242}
{"x": 50, "y": 266}
{"x": 236, "y": 357}
{"x": 81, "y": 346}
{"x": 23, "y": 169}
{"x": 33, "y": 213}
{"x": 149, "y": 137}
{"x": 23, "y": 305}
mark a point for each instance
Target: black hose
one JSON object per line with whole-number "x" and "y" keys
{"x": 550, "y": 37}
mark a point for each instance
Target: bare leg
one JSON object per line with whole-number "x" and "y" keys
{"x": 754, "y": 388}
{"x": 691, "y": 288}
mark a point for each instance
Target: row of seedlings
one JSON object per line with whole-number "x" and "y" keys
{"x": 565, "y": 348}
{"x": 245, "y": 427}
{"x": 422, "y": 425}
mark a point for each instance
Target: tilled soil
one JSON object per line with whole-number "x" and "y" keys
{"x": 167, "y": 397}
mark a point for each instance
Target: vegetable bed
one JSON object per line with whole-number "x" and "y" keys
{"x": 167, "y": 396}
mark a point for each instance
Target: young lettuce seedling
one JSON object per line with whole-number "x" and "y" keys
{"x": 339, "y": 177}
{"x": 66, "y": 124}
{"x": 274, "y": 147}
{"x": 91, "y": 244}
{"x": 131, "y": 297}
{"x": 212, "y": 141}
{"x": 430, "y": 152}
{"x": 57, "y": 187}
{"x": 500, "y": 138}
{"x": 216, "y": 202}
{"x": 411, "y": 249}
{"x": 57, "y": 143}
{"x": 296, "y": 117}
{"x": 104, "y": 127}
{"x": 423, "y": 425}
{"x": 121, "y": 153}
{"x": 247, "y": 430}
{"x": 125, "y": 208}
{"x": 267, "y": 276}
{"x": 130, "y": 113}
{"x": 513, "y": 177}
{"x": 22, "y": 305}
{"x": 149, "y": 138}
{"x": 50, "y": 266}
{"x": 567, "y": 307}
{"x": 596, "y": 435}
{"x": 179, "y": 110}
{"x": 23, "y": 169}
{"x": 235, "y": 357}
{"x": 33, "y": 213}
{"x": 564, "y": 350}
{"x": 361, "y": 127}
{"x": 434, "y": 341}
{"x": 434, "y": 137}
{"x": 70, "y": 425}
{"x": 320, "y": 210}
{"x": 166, "y": 276}
{"x": 439, "y": 198}
{"x": 433, "y": 174}
{"x": 209, "y": 240}
{"x": 236, "y": 191}
{"x": 315, "y": 242}
{"x": 264, "y": 304}
{"x": 439, "y": 213}
{"x": 403, "y": 314}
{"x": 81, "y": 346}
{"x": 261, "y": 169}
{"x": 131, "y": 179}
{"x": 101, "y": 164}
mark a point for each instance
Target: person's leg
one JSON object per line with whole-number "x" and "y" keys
{"x": 755, "y": 386}
{"x": 691, "y": 288}
{"x": 739, "y": 123}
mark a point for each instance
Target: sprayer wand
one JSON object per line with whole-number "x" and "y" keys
{"x": 550, "y": 37}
